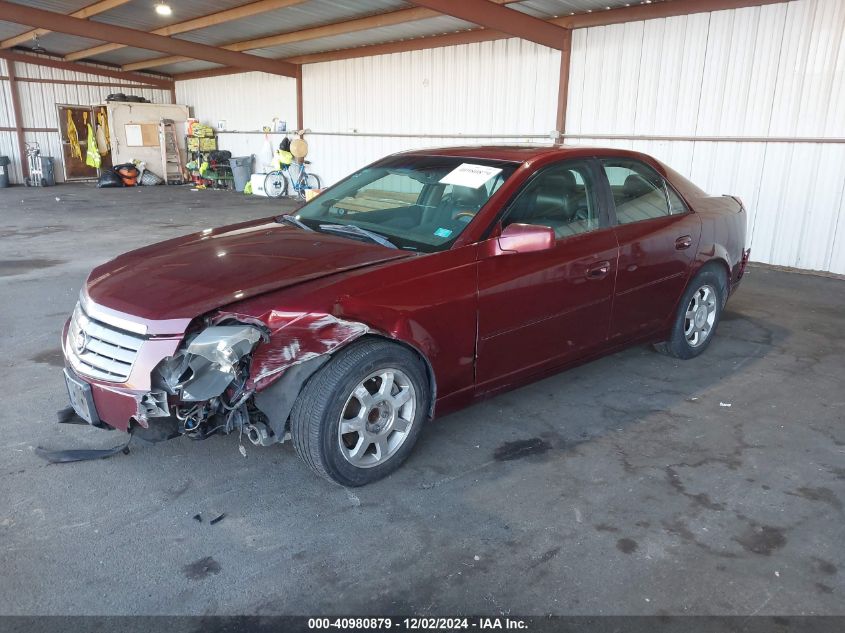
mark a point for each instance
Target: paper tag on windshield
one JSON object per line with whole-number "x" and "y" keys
{"x": 469, "y": 175}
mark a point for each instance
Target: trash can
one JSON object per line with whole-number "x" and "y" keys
{"x": 4, "y": 171}
{"x": 241, "y": 170}
{"x": 48, "y": 178}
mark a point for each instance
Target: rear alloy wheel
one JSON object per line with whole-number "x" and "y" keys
{"x": 698, "y": 315}
{"x": 358, "y": 417}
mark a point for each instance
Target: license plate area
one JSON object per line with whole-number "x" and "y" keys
{"x": 81, "y": 398}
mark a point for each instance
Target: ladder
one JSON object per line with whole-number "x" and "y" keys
{"x": 172, "y": 167}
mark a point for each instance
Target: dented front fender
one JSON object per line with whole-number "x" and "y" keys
{"x": 293, "y": 338}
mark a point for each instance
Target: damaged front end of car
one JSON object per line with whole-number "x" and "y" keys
{"x": 239, "y": 373}
{"x": 206, "y": 380}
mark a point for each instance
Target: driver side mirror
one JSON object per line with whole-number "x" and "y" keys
{"x": 523, "y": 238}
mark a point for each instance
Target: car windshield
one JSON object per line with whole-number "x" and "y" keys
{"x": 419, "y": 203}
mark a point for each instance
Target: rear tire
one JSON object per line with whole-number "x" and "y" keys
{"x": 698, "y": 314}
{"x": 307, "y": 181}
{"x": 358, "y": 418}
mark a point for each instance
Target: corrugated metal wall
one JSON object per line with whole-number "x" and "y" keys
{"x": 247, "y": 102}
{"x": 775, "y": 73}
{"x": 38, "y": 107}
{"x": 491, "y": 92}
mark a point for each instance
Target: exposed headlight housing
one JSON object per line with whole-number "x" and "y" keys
{"x": 209, "y": 363}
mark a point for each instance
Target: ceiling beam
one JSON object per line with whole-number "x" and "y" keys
{"x": 416, "y": 44}
{"x": 419, "y": 43}
{"x": 148, "y": 80}
{"x": 328, "y": 30}
{"x": 391, "y": 18}
{"x": 202, "y": 22}
{"x": 597, "y": 18}
{"x": 39, "y": 18}
{"x": 84, "y": 13}
{"x": 493, "y": 16}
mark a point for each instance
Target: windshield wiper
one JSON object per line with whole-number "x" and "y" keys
{"x": 354, "y": 229}
{"x": 295, "y": 221}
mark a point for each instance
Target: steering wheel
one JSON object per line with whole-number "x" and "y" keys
{"x": 465, "y": 216}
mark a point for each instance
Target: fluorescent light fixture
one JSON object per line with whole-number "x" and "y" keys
{"x": 162, "y": 8}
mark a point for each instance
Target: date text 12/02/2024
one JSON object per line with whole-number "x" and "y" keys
{"x": 414, "y": 624}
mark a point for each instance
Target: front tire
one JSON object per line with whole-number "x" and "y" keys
{"x": 698, "y": 315}
{"x": 275, "y": 184}
{"x": 359, "y": 416}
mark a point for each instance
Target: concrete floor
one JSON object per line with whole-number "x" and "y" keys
{"x": 648, "y": 485}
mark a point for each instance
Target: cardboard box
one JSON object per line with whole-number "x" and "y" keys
{"x": 193, "y": 144}
{"x": 207, "y": 144}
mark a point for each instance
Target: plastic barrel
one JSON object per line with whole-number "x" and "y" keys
{"x": 241, "y": 170}
{"x": 47, "y": 175}
{"x": 4, "y": 171}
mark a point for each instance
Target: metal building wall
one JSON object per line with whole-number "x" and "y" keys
{"x": 246, "y": 101}
{"x": 491, "y": 92}
{"x": 751, "y": 102}
{"x": 38, "y": 107}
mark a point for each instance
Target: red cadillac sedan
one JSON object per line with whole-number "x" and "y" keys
{"x": 414, "y": 287}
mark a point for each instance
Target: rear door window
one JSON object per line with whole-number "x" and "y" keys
{"x": 639, "y": 192}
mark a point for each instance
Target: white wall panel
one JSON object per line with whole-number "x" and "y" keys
{"x": 246, "y": 101}
{"x": 336, "y": 156}
{"x": 38, "y": 107}
{"x": 494, "y": 90}
{"x": 771, "y": 72}
{"x": 507, "y": 86}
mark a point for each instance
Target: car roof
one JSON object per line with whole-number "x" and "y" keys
{"x": 517, "y": 153}
{"x": 526, "y": 154}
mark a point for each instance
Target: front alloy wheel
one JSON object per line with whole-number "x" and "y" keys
{"x": 377, "y": 418}
{"x": 358, "y": 417}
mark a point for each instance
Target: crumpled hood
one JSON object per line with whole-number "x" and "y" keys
{"x": 191, "y": 275}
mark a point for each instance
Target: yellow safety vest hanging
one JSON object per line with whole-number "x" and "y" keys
{"x": 92, "y": 155}
{"x": 73, "y": 137}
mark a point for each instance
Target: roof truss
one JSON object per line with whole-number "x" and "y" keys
{"x": 84, "y": 13}
{"x": 493, "y": 16}
{"x": 211, "y": 19}
{"x": 40, "y": 18}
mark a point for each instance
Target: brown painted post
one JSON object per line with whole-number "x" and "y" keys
{"x": 300, "y": 121}
{"x": 16, "y": 108}
{"x": 563, "y": 88}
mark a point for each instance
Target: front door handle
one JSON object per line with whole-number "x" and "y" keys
{"x": 598, "y": 270}
{"x": 683, "y": 242}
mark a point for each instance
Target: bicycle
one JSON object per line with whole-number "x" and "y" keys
{"x": 276, "y": 182}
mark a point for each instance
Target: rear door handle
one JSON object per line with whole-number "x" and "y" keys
{"x": 683, "y": 242}
{"x": 598, "y": 270}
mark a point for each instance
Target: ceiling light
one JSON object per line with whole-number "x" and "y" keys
{"x": 162, "y": 8}
{"x": 36, "y": 46}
